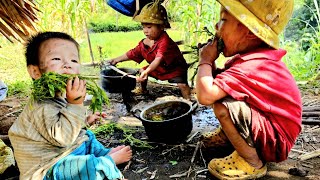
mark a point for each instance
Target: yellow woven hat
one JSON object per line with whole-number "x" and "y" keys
{"x": 153, "y": 13}
{"x": 265, "y": 18}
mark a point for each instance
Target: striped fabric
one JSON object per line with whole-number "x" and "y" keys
{"x": 44, "y": 133}
{"x": 90, "y": 161}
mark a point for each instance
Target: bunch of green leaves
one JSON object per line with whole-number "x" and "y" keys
{"x": 51, "y": 82}
{"x": 110, "y": 129}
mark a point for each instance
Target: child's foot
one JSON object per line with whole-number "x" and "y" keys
{"x": 121, "y": 155}
{"x": 113, "y": 150}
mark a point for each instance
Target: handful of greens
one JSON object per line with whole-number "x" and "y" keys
{"x": 50, "y": 83}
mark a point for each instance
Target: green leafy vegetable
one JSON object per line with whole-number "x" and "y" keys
{"x": 50, "y": 83}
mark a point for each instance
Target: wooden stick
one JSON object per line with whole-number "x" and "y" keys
{"x": 10, "y": 113}
{"x": 307, "y": 165}
{"x": 121, "y": 72}
{"x": 201, "y": 171}
{"x": 311, "y": 108}
{"x": 178, "y": 175}
{"x": 311, "y": 129}
{"x": 310, "y": 122}
{"x": 311, "y": 113}
{"x": 195, "y": 151}
{"x": 296, "y": 150}
{"x": 90, "y": 64}
{"x": 189, "y": 171}
{"x": 309, "y": 155}
{"x": 201, "y": 154}
{"x": 191, "y": 137}
{"x": 89, "y": 43}
{"x": 127, "y": 166}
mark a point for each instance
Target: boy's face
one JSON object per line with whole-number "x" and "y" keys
{"x": 232, "y": 32}
{"x": 152, "y": 31}
{"x": 60, "y": 56}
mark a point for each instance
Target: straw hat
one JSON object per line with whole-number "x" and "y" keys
{"x": 265, "y": 18}
{"x": 153, "y": 13}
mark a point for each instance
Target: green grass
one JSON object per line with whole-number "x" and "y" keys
{"x": 13, "y": 69}
{"x": 113, "y": 44}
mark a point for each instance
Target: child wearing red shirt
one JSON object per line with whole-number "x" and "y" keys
{"x": 254, "y": 97}
{"x": 165, "y": 59}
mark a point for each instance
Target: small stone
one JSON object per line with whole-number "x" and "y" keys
{"x": 298, "y": 172}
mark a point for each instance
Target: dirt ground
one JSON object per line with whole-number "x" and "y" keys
{"x": 186, "y": 160}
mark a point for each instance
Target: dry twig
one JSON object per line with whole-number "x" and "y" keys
{"x": 195, "y": 152}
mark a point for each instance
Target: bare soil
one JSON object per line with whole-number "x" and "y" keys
{"x": 187, "y": 160}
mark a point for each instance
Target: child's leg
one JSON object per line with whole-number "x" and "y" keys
{"x": 85, "y": 167}
{"x": 241, "y": 146}
{"x": 185, "y": 90}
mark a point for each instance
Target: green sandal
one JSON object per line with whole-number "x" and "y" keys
{"x": 234, "y": 167}
{"x": 216, "y": 138}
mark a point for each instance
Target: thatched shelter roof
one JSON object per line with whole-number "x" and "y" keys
{"x": 17, "y": 19}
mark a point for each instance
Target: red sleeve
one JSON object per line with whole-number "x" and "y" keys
{"x": 135, "y": 53}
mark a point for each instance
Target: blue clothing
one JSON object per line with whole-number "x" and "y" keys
{"x": 90, "y": 161}
{"x": 126, "y": 7}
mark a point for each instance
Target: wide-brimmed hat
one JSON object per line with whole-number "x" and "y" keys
{"x": 265, "y": 18}
{"x": 153, "y": 13}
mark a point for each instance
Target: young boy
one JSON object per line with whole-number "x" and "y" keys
{"x": 254, "y": 97}
{"x": 159, "y": 50}
{"x": 48, "y": 138}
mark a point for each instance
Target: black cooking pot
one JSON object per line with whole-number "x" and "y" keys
{"x": 167, "y": 122}
{"x": 115, "y": 82}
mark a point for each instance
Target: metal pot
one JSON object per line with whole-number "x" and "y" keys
{"x": 167, "y": 122}
{"x": 115, "y": 82}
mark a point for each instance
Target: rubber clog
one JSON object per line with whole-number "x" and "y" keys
{"x": 234, "y": 167}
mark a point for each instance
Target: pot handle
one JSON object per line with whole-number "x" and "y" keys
{"x": 135, "y": 112}
{"x": 194, "y": 106}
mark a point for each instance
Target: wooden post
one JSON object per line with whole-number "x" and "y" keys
{"x": 89, "y": 43}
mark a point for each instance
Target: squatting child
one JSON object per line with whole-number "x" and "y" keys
{"x": 165, "y": 59}
{"x": 254, "y": 96}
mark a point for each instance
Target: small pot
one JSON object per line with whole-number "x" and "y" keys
{"x": 167, "y": 122}
{"x": 115, "y": 82}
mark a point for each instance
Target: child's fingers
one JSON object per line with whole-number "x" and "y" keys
{"x": 102, "y": 114}
{"x": 75, "y": 85}
{"x": 69, "y": 85}
{"x": 82, "y": 86}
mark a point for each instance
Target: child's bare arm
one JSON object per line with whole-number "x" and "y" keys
{"x": 118, "y": 59}
{"x": 144, "y": 75}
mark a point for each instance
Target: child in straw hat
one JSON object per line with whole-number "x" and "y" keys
{"x": 159, "y": 50}
{"x": 254, "y": 96}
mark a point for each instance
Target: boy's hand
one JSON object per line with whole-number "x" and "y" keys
{"x": 112, "y": 62}
{"x": 76, "y": 91}
{"x": 209, "y": 52}
{"x": 143, "y": 76}
{"x": 91, "y": 119}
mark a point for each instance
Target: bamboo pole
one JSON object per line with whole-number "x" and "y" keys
{"x": 89, "y": 43}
